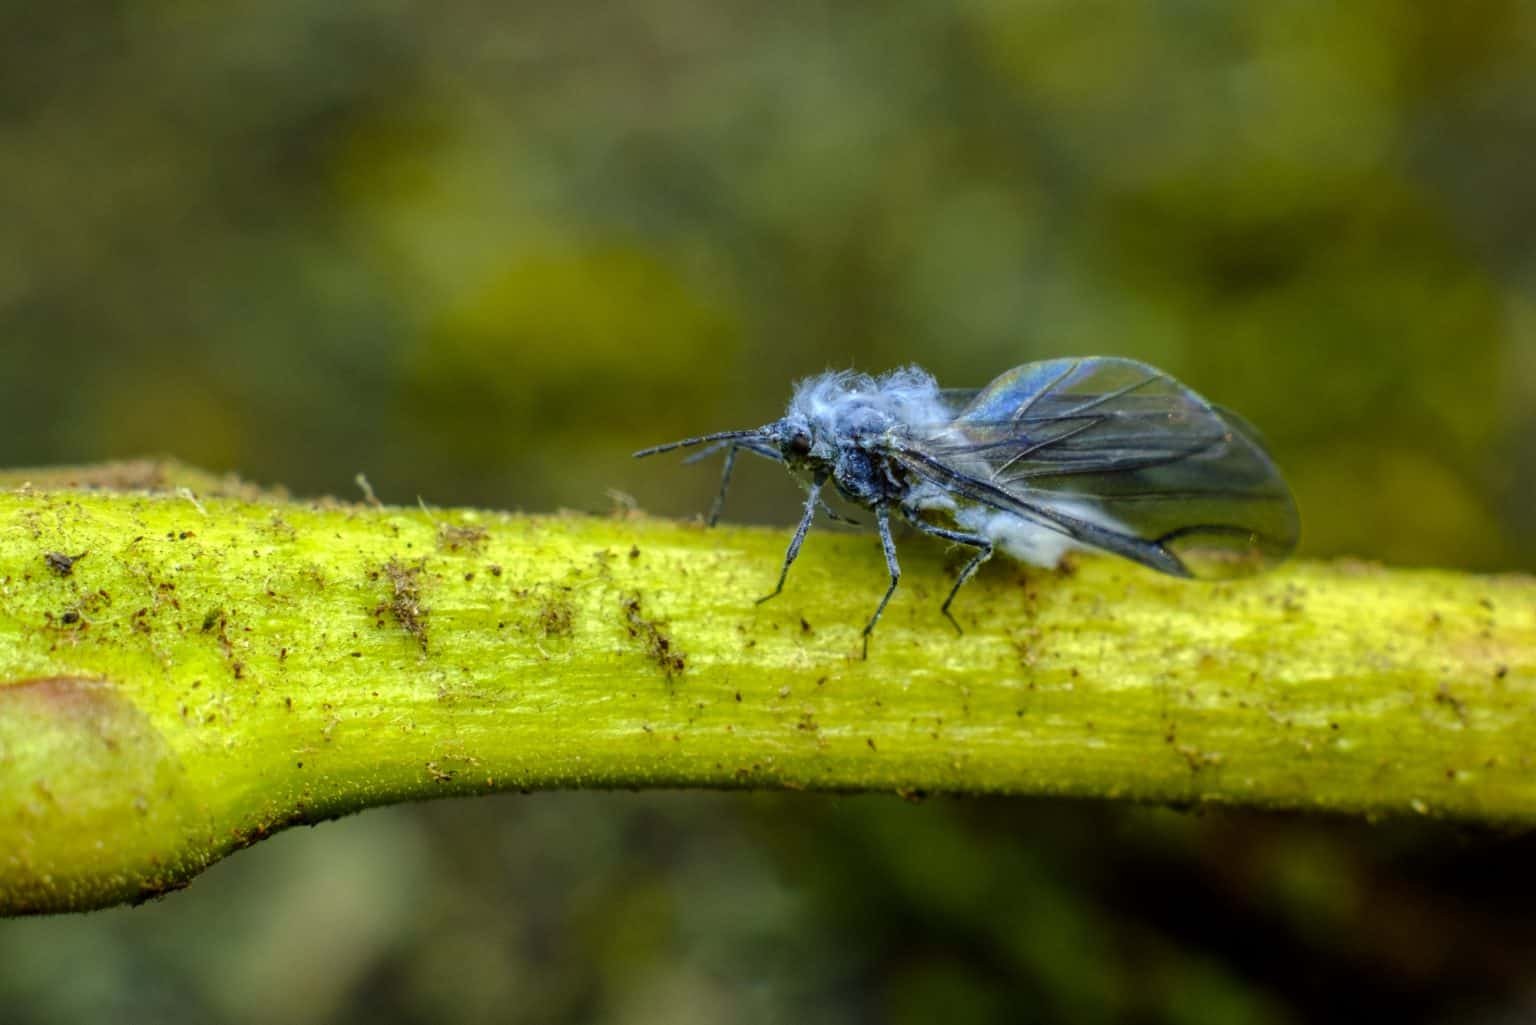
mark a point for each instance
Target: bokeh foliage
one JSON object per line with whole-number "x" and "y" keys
{"x": 481, "y": 252}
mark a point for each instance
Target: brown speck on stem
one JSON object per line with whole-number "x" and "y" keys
{"x": 404, "y": 603}
{"x": 1198, "y": 759}
{"x": 452, "y": 537}
{"x": 1443, "y": 696}
{"x": 656, "y": 641}
{"x": 63, "y": 565}
{"x": 557, "y": 618}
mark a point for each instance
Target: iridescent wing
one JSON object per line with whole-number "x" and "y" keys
{"x": 1118, "y": 455}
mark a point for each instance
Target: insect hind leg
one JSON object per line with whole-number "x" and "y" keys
{"x": 983, "y": 546}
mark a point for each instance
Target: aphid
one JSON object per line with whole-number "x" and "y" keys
{"x": 1098, "y": 452}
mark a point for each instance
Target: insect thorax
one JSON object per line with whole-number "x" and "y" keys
{"x": 867, "y": 476}
{"x": 855, "y": 423}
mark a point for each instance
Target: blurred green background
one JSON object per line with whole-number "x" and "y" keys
{"x": 482, "y": 251}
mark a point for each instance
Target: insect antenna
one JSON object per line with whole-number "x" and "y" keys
{"x": 703, "y": 439}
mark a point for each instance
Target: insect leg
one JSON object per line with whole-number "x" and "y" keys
{"x": 837, "y": 517}
{"x": 883, "y": 522}
{"x": 718, "y": 504}
{"x": 983, "y": 553}
{"x": 812, "y": 500}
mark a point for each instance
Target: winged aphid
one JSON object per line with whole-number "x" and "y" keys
{"x": 1098, "y": 452}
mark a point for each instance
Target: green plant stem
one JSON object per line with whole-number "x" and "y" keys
{"x": 211, "y": 670}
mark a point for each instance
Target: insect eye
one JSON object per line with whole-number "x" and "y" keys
{"x": 800, "y": 444}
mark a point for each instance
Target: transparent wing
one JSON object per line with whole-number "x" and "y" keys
{"x": 1119, "y": 455}
{"x": 956, "y": 399}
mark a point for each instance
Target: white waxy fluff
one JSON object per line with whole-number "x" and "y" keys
{"x": 1028, "y": 542}
{"x": 844, "y": 402}
{"x": 1025, "y": 541}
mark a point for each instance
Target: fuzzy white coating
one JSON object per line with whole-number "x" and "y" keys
{"x": 843, "y": 403}
{"x": 1029, "y": 542}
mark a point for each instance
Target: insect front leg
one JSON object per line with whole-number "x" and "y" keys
{"x": 812, "y": 501}
{"x": 718, "y": 505}
{"x": 888, "y": 543}
{"x": 983, "y": 548}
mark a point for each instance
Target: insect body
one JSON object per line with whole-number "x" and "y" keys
{"x": 1098, "y": 452}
